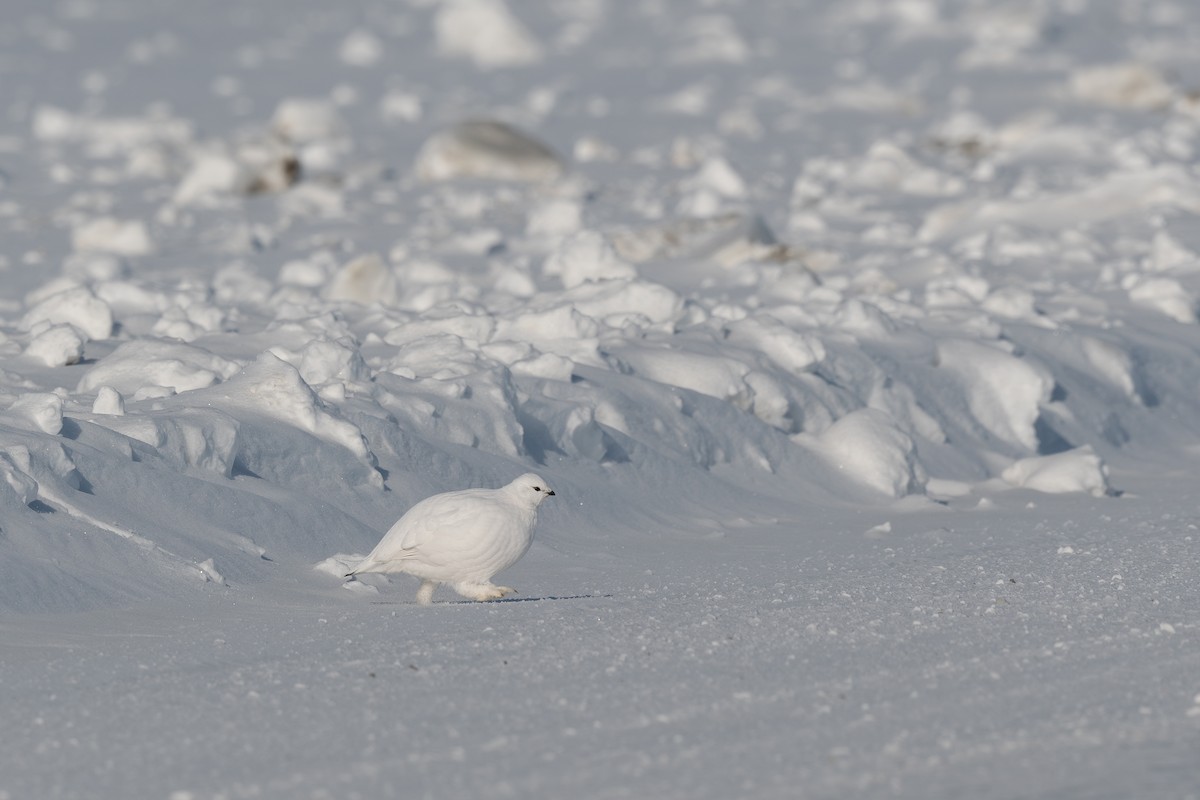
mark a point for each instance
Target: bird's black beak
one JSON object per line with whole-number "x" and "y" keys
{"x": 550, "y": 493}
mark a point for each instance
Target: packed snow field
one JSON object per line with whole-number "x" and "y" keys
{"x": 857, "y": 339}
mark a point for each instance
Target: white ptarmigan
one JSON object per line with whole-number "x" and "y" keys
{"x": 461, "y": 538}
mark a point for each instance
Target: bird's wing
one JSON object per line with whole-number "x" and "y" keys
{"x": 433, "y": 517}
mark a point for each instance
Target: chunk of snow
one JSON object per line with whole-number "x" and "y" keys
{"x": 1122, "y": 192}
{"x": 554, "y": 218}
{"x": 486, "y": 32}
{"x": 111, "y": 235}
{"x": 210, "y": 174}
{"x": 305, "y": 120}
{"x": 489, "y": 150}
{"x": 57, "y": 346}
{"x": 338, "y": 565}
{"x": 587, "y": 256}
{"x": 208, "y": 571}
{"x": 887, "y": 167}
{"x": 401, "y": 106}
{"x": 360, "y": 48}
{"x": 271, "y": 386}
{"x": 1164, "y": 295}
{"x": 75, "y": 306}
{"x": 36, "y": 411}
{"x": 867, "y": 448}
{"x": 1003, "y": 392}
{"x": 726, "y": 240}
{"x": 149, "y": 363}
{"x": 711, "y": 38}
{"x": 364, "y": 280}
{"x": 1131, "y": 85}
{"x": 108, "y": 401}
{"x": 1079, "y": 470}
{"x": 15, "y": 466}
{"x": 717, "y": 175}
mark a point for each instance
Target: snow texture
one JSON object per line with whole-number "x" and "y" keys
{"x": 858, "y": 339}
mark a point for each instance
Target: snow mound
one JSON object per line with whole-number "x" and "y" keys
{"x": 76, "y": 307}
{"x": 1119, "y": 194}
{"x": 57, "y": 346}
{"x": 1004, "y": 393}
{"x": 147, "y": 363}
{"x": 1079, "y": 470}
{"x": 274, "y": 388}
{"x": 35, "y": 411}
{"x": 868, "y": 448}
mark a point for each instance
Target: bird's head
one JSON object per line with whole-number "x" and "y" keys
{"x": 531, "y": 489}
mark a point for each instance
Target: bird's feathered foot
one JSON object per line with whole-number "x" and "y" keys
{"x": 483, "y": 591}
{"x": 425, "y": 593}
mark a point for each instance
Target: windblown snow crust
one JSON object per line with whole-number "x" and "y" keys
{"x": 255, "y": 328}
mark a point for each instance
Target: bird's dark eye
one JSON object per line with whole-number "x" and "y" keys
{"x": 537, "y": 488}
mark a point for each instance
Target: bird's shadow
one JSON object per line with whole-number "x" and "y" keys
{"x": 500, "y": 600}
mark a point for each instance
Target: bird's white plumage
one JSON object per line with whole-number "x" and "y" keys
{"x": 462, "y": 538}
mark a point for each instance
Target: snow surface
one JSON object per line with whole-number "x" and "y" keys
{"x": 858, "y": 339}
